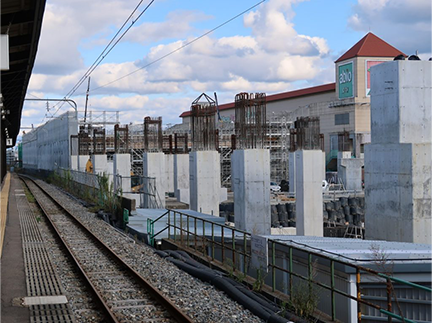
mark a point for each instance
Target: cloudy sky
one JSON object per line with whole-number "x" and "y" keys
{"x": 280, "y": 45}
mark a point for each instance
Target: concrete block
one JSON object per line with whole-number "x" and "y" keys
{"x": 181, "y": 174}
{"x": 292, "y": 172}
{"x": 223, "y": 194}
{"x": 309, "y": 201}
{"x": 350, "y": 171}
{"x": 398, "y": 192}
{"x": 169, "y": 164}
{"x": 82, "y": 161}
{"x": 74, "y": 162}
{"x": 250, "y": 169}
{"x": 401, "y": 102}
{"x": 100, "y": 164}
{"x": 204, "y": 175}
{"x": 183, "y": 195}
{"x": 154, "y": 166}
{"x": 122, "y": 167}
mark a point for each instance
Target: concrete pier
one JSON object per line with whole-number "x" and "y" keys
{"x": 100, "y": 164}
{"x": 350, "y": 171}
{"x": 205, "y": 183}
{"x": 169, "y": 164}
{"x": 309, "y": 201}
{"x": 181, "y": 177}
{"x": 398, "y": 162}
{"x": 250, "y": 169}
{"x": 154, "y": 166}
{"x": 82, "y": 161}
{"x": 74, "y": 162}
{"x": 292, "y": 172}
{"x": 122, "y": 167}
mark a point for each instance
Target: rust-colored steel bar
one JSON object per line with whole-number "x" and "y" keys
{"x": 250, "y": 120}
{"x": 121, "y": 139}
{"x": 153, "y": 139}
{"x": 204, "y": 134}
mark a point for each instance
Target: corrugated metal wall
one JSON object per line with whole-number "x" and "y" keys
{"x": 48, "y": 146}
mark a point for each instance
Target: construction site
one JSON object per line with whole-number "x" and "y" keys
{"x": 321, "y": 193}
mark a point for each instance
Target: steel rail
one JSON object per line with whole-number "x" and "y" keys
{"x": 175, "y": 312}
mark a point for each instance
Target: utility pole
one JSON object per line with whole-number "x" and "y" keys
{"x": 87, "y": 95}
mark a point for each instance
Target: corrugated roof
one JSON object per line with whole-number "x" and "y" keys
{"x": 370, "y": 46}
{"x": 282, "y": 96}
{"x": 361, "y": 251}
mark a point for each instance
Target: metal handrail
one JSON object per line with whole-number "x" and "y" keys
{"x": 186, "y": 232}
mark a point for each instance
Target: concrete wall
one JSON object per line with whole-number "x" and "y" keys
{"x": 181, "y": 175}
{"x": 82, "y": 161}
{"x": 48, "y": 146}
{"x": 100, "y": 164}
{"x": 292, "y": 172}
{"x": 398, "y": 162}
{"x": 154, "y": 166}
{"x": 350, "y": 171}
{"x": 169, "y": 164}
{"x": 122, "y": 167}
{"x": 309, "y": 201}
{"x": 204, "y": 175}
{"x": 250, "y": 169}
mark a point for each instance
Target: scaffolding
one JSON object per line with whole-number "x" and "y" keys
{"x": 278, "y": 143}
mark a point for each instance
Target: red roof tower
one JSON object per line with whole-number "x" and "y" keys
{"x": 370, "y": 46}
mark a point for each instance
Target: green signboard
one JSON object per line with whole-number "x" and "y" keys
{"x": 346, "y": 80}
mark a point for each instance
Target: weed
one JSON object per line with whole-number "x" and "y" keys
{"x": 305, "y": 296}
{"x": 259, "y": 281}
{"x": 29, "y": 196}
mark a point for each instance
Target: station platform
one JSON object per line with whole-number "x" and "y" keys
{"x": 13, "y": 277}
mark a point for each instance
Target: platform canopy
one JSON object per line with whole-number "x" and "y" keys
{"x": 21, "y": 22}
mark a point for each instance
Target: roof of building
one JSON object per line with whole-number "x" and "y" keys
{"x": 370, "y": 46}
{"x": 282, "y": 96}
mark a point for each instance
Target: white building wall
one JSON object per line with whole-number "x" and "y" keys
{"x": 48, "y": 146}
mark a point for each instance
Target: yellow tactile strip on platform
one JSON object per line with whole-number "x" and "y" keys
{"x": 4, "y": 200}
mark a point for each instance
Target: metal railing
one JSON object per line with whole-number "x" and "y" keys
{"x": 143, "y": 186}
{"x": 226, "y": 245}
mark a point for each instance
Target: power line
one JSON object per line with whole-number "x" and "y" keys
{"x": 107, "y": 49}
{"x": 181, "y": 47}
{"x": 102, "y": 56}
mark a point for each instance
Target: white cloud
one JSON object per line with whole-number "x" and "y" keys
{"x": 404, "y": 24}
{"x": 268, "y": 60}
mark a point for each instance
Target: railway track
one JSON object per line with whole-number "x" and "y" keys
{"x": 122, "y": 293}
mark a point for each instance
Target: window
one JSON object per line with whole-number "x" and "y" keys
{"x": 341, "y": 119}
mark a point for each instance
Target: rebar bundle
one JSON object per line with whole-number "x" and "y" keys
{"x": 306, "y": 135}
{"x": 121, "y": 139}
{"x": 181, "y": 143}
{"x": 99, "y": 147}
{"x": 204, "y": 133}
{"x": 250, "y": 120}
{"x": 84, "y": 141}
{"x": 153, "y": 139}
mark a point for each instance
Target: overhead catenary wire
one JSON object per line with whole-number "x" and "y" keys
{"x": 106, "y": 51}
{"x": 172, "y": 52}
{"x": 102, "y": 56}
{"x": 180, "y": 48}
